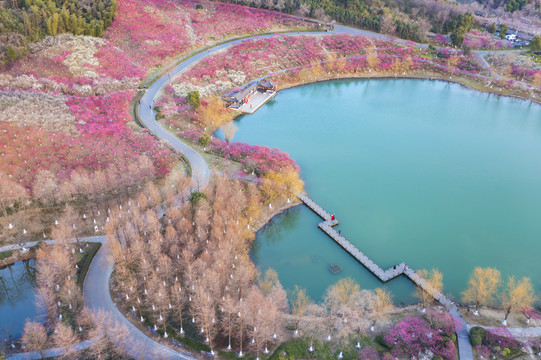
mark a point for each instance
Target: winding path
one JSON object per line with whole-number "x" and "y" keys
{"x": 96, "y": 285}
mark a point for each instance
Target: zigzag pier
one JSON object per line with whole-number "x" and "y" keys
{"x": 464, "y": 346}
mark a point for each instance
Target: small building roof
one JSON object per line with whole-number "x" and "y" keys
{"x": 266, "y": 83}
{"x": 244, "y": 92}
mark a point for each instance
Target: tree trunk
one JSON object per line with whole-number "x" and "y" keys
{"x": 507, "y": 312}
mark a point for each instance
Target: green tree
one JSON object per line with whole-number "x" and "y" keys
{"x": 503, "y": 30}
{"x": 535, "y": 44}
{"x": 193, "y": 99}
{"x": 492, "y": 28}
{"x": 197, "y": 196}
{"x": 204, "y": 140}
{"x": 11, "y": 53}
{"x": 457, "y": 38}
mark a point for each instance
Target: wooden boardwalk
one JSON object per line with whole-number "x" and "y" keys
{"x": 464, "y": 348}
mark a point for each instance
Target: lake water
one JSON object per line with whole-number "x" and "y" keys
{"x": 420, "y": 171}
{"x": 17, "y": 298}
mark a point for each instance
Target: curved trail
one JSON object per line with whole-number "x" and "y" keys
{"x": 201, "y": 172}
{"x": 96, "y": 285}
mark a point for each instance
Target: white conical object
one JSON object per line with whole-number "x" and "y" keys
{"x": 229, "y": 347}
{"x": 340, "y": 355}
{"x": 240, "y": 353}
{"x": 165, "y": 336}
{"x": 10, "y": 226}
{"x": 142, "y": 319}
{"x": 155, "y": 327}
{"x": 181, "y": 330}
{"x": 328, "y": 337}
{"x": 311, "y": 348}
{"x": 358, "y": 346}
{"x": 266, "y": 351}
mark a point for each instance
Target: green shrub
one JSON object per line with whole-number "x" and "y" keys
{"x": 477, "y": 335}
{"x": 196, "y": 196}
{"x": 11, "y": 53}
{"x": 204, "y": 140}
{"x": 85, "y": 261}
{"x": 198, "y": 6}
{"x": 193, "y": 99}
{"x": 5, "y": 254}
{"x": 381, "y": 340}
{"x": 535, "y": 44}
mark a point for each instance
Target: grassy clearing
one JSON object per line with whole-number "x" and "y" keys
{"x": 85, "y": 260}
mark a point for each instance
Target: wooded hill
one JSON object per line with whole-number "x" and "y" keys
{"x": 24, "y": 21}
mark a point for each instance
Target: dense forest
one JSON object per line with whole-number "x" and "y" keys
{"x": 508, "y": 5}
{"x": 408, "y": 19}
{"x": 24, "y": 21}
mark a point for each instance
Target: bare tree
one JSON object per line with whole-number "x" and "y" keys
{"x": 65, "y": 338}
{"x": 517, "y": 295}
{"x": 382, "y": 305}
{"x": 482, "y": 287}
{"x": 300, "y": 301}
{"x": 434, "y": 281}
{"x": 34, "y": 337}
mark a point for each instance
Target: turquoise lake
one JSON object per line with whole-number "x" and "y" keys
{"x": 17, "y": 298}
{"x": 421, "y": 171}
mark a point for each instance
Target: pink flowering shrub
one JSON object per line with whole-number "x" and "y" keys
{"x": 100, "y": 76}
{"x": 441, "y": 39}
{"x": 368, "y": 353}
{"x": 413, "y": 336}
{"x": 476, "y": 40}
{"x": 27, "y": 151}
{"x": 153, "y": 31}
{"x": 257, "y": 158}
{"x": 482, "y": 351}
{"x": 227, "y": 71}
{"x": 525, "y": 74}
